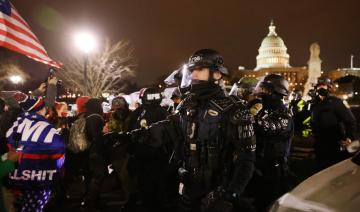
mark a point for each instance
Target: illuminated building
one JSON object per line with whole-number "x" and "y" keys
{"x": 274, "y": 59}
{"x": 272, "y": 52}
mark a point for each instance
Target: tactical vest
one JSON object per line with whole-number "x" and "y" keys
{"x": 208, "y": 147}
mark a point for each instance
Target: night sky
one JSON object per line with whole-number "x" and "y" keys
{"x": 165, "y": 33}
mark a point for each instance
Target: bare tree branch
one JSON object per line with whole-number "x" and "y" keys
{"x": 106, "y": 69}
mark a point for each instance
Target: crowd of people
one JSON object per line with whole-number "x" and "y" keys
{"x": 210, "y": 151}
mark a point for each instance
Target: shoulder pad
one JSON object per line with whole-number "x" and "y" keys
{"x": 188, "y": 102}
{"x": 275, "y": 114}
{"x": 254, "y": 110}
{"x": 226, "y": 103}
{"x": 241, "y": 115}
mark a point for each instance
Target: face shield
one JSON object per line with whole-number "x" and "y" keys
{"x": 259, "y": 88}
{"x": 239, "y": 91}
{"x": 234, "y": 90}
{"x": 174, "y": 78}
{"x": 186, "y": 77}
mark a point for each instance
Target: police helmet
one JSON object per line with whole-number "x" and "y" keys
{"x": 150, "y": 96}
{"x": 275, "y": 83}
{"x": 207, "y": 58}
{"x": 324, "y": 81}
{"x": 244, "y": 87}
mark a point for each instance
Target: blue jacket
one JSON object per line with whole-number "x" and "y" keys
{"x": 42, "y": 151}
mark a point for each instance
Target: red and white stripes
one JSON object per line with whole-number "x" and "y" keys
{"x": 16, "y": 35}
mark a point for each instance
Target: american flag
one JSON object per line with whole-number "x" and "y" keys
{"x": 16, "y": 35}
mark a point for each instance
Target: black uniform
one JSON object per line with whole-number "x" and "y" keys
{"x": 273, "y": 129}
{"x": 148, "y": 167}
{"x": 332, "y": 122}
{"x": 214, "y": 142}
{"x": 149, "y": 113}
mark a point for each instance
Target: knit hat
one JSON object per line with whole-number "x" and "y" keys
{"x": 32, "y": 104}
{"x": 80, "y": 103}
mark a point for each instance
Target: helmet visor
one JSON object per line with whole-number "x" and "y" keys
{"x": 259, "y": 86}
{"x": 186, "y": 77}
{"x": 234, "y": 90}
{"x": 173, "y": 78}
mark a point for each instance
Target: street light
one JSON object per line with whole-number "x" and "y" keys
{"x": 16, "y": 79}
{"x": 86, "y": 42}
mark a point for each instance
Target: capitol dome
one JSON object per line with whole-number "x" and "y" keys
{"x": 272, "y": 52}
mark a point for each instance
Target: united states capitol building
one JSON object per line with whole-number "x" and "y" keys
{"x": 274, "y": 59}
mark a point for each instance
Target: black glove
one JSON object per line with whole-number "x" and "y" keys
{"x": 218, "y": 200}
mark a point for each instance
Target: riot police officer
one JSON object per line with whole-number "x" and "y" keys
{"x": 147, "y": 167}
{"x": 333, "y": 124}
{"x": 212, "y": 137}
{"x": 273, "y": 129}
{"x": 149, "y": 111}
{"x": 245, "y": 90}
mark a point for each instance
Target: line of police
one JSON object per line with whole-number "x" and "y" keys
{"x": 230, "y": 151}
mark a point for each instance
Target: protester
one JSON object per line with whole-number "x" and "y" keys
{"x": 42, "y": 155}
{"x": 119, "y": 116}
{"x": 116, "y": 153}
{"x": 85, "y": 162}
{"x": 58, "y": 115}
